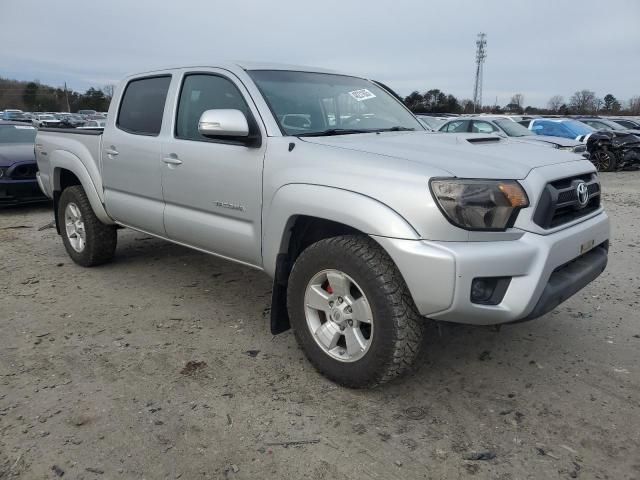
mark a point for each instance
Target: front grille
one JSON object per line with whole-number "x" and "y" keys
{"x": 559, "y": 203}
{"x": 24, "y": 172}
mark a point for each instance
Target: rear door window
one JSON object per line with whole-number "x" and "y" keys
{"x": 142, "y": 105}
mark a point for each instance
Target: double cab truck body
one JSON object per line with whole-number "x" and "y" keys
{"x": 366, "y": 222}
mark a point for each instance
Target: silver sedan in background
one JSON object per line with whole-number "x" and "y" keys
{"x": 507, "y": 128}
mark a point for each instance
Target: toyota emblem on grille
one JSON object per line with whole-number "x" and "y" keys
{"x": 583, "y": 194}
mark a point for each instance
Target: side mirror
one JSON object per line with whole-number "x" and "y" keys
{"x": 223, "y": 123}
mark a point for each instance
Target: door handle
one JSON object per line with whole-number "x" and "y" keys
{"x": 111, "y": 151}
{"x": 172, "y": 159}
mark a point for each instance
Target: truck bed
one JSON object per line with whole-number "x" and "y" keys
{"x": 66, "y": 143}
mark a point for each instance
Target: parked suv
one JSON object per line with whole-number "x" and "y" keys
{"x": 328, "y": 184}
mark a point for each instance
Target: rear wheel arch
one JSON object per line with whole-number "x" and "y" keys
{"x": 69, "y": 171}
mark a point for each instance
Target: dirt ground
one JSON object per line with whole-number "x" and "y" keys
{"x": 95, "y": 379}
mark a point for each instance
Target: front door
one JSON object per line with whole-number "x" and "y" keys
{"x": 213, "y": 188}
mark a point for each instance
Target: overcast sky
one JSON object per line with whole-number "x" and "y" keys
{"x": 539, "y": 48}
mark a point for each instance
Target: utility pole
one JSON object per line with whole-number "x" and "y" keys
{"x": 66, "y": 96}
{"x": 481, "y": 54}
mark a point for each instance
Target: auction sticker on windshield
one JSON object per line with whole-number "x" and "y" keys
{"x": 362, "y": 94}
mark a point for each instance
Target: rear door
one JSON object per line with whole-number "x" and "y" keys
{"x": 132, "y": 155}
{"x": 213, "y": 187}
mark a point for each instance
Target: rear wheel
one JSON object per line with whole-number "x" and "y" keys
{"x": 604, "y": 160}
{"x": 88, "y": 241}
{"x": 352, "y": 313}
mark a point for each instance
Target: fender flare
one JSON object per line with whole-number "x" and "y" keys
{"x": 63, "y": 160}
{"x": 290, "y": 201}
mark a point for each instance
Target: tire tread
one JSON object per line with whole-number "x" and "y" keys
{"x": 408, "y": 324}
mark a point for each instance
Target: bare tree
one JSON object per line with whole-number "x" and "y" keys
{"x": 517, "y": 99}
{"x": 634, "y": 105}
{"x": 555, "y": 102}
{"x": 583, "y": 101}
{"x": 597, "y": 103}
{"x": 108, "y": 90}
{"x": 467, "y": 105}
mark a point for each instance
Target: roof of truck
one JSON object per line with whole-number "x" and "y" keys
{"x": 241, "y": 65}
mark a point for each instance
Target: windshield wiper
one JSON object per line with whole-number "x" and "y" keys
{"x": 333, "y": 131}
{"x": 395, "y": 129}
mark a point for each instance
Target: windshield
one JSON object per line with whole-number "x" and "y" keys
{"x": 513, "y": 129}
{"x": 319, "y": 103}
{"x": 577, "y": 128}
{"x": 46, "y": 117}
{"x": 17, "y": 134}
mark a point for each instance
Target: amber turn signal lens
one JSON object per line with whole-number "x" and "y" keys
{"x": 515, "y": 194}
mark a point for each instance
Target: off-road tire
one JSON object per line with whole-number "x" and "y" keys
{"x": 398, "y": 327}
{"x": 101, "y": 239}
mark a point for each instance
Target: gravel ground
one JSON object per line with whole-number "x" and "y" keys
{"x": 100, "y": 375}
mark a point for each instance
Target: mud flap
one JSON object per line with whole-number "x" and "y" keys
{"x": 279, "y": 313}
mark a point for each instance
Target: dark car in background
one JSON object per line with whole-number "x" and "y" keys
{"x": 627, "y": 123}
{"x": 18, "y": 166}
{"x": 606, "y": 124}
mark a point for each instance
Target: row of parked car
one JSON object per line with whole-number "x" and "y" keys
{"x": 81, "y": 119}
{"x": 18, "y": 183}
{"x": 610, "y": 143}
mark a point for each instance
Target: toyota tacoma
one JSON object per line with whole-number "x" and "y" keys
{"x": 367, "y": 224}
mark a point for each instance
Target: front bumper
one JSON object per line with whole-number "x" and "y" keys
{"x": 15, "y": 192}
{"x": 439, "y": 274}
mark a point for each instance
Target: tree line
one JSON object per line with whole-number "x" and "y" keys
{"x": 37, "y": 97}
{"x": 582, "y": 102}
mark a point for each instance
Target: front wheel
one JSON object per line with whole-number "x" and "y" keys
{"x": 604, "y": 160}
{"x": 88, "y": 241}
{"x": 352, "y": 313}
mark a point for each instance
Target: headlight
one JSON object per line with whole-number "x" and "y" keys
{"x": 479, "y": 204}
{"x": 2, "y": 172}
{"x": 580, "y": 148}
{"x": 560, "y": 147}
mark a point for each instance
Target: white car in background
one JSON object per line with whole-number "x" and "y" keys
{"x": 431, "y": 122}
{"x": 91, "y": 124}
{"x": 45, "y": 120}
{"x": 507, "y": 128}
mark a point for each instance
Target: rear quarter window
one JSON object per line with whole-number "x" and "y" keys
{"x": 142, "y": 105}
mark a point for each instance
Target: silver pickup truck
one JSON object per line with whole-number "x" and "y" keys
{"x": 367, "y": 223}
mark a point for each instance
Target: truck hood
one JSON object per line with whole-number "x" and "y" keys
{"x": 16, "y": 152}
{"x": 462, "y": 155}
